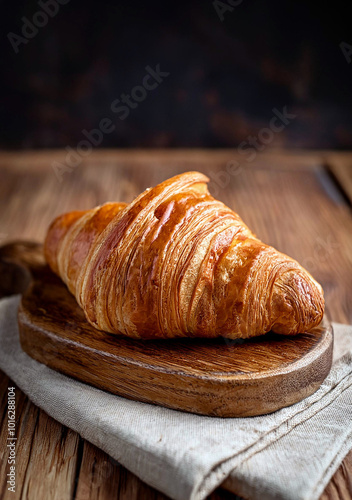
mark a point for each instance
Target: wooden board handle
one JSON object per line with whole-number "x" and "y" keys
{"x": 20, "y": 262}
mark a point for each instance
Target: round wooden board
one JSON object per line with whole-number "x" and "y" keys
{"x": 210, "y": 377}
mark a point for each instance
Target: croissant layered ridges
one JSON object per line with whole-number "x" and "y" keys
{"x": 178, "y": 263}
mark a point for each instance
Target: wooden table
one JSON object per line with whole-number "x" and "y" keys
{"x": 299, "y": 202}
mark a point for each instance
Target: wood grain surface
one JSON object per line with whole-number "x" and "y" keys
{"x": 291, "y": 201}
{"x": 216, "y": 377}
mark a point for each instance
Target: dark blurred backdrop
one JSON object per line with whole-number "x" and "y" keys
{"x": 229, "y": 66}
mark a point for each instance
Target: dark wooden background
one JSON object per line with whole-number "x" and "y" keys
{"x": 299, "y": 202}
{"x": 226, "y": 74}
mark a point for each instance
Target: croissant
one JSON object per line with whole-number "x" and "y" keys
{"x": 178, "y": 263}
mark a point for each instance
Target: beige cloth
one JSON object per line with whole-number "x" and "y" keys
{"x": 290, "y": 454}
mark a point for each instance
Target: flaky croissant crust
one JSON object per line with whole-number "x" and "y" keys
{"x": 178, "y": 263}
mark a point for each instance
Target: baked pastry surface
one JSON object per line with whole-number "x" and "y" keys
{"x": 178, "y": 263}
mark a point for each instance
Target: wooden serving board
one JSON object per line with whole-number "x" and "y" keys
{"x": 215, "y": 377}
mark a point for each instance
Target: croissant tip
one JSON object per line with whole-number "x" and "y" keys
{"x": 297, "y": 303}
{"x": 56, "y": 232}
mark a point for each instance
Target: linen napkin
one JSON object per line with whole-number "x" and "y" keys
{"x": 289, "y": 454}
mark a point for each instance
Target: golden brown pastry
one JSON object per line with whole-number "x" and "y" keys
{"x": 178, "y": 263}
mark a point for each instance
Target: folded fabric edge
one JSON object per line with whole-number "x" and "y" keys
{"x": 345, "y": 448}
{"x": 247, "y": 490}
{"x": 219, "y": 476}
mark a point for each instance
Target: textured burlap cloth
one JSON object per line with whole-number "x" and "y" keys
{"x": 290, "y": 454}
